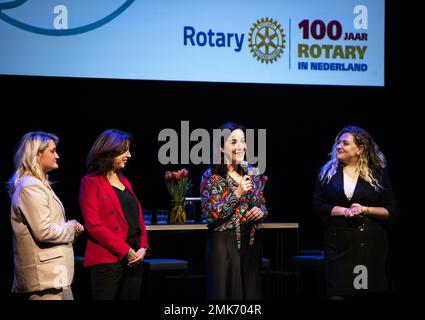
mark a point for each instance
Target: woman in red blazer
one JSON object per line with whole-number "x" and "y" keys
{"x": 117, "y": 239}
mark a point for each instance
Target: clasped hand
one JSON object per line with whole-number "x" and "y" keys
{"x": 78, "y": 227}
{"x": 355, "y": 210}
{"x": 134, "y": 257}
{"x": 255, "y": 214}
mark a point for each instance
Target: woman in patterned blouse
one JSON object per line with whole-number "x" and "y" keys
{"x": 234, "y": 205}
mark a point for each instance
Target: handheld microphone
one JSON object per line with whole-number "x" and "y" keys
{"x": 244, "y": 167}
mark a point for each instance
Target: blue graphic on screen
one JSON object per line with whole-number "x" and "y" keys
{"x": 323, "y": 42}
{"x": 59, "y": 31}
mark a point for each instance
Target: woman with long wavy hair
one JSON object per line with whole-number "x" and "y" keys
{"x": 354, "y": 197}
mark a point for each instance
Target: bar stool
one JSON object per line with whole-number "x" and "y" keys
{"x": 81, "y": 282}
{"x": 265, "y": 264}
{"x": 265, "y": 267}
{"x": 78, "y": 263}
{"x": 164, "y": 266}
{"x": 310, "y": 263}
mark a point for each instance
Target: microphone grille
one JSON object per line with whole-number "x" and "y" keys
{"x": 244, "y": 166}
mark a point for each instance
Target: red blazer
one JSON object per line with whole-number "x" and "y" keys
{"x": 105, "y": 221}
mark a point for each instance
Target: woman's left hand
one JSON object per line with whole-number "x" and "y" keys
{"x": 357, "y": 209}
{"x": 255, "y": 214}
{"x": 139, "y": 256}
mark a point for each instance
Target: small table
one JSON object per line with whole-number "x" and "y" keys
{"x": 203, "y": 226}
{"x": 280, "y": 257}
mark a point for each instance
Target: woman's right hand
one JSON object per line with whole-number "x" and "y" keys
{"x": 354, "y": 211}
{"x": 131, "y": 254}
{"x": 138, "y": 257}
{"x": 78, "y": 227}
{"x": 244, "y": 186}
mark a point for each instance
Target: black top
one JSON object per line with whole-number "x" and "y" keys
{"x": 328, "y": 195}
{"x": 349, "y": 243}
{"x": 130, "y": 209}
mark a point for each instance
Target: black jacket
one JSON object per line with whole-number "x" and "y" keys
{"x": 350, "y": 243}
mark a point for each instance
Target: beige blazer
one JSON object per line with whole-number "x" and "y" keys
{"x": 42, "y": 239}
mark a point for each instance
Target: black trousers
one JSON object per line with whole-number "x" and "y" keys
{"x": 233, "y": 273}
{"x": 116, "y": 281}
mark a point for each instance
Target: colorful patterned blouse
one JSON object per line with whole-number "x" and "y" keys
{"x": 224, "y": 210}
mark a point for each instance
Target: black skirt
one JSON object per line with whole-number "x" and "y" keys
{"x": 349, "y": 246}
{"x": 233, "y": 273}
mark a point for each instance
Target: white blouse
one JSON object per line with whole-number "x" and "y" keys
{"x": 350, "y": 180}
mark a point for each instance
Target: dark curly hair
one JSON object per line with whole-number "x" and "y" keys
{"x": 221, "y": 168}
{"x": 110, "y": 144}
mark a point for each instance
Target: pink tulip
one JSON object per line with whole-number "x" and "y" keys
{"x": 179, "y": 175}
{"x": 168, "y": 176}
{"x": 175, "y": 175}
{"x": 264, "y": 178}
{"x": 185, "y": 173}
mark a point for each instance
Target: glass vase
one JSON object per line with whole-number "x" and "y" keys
{"x": 178, "y": 213}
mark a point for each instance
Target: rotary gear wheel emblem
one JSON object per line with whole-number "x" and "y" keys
{"x": 266, "y": 40}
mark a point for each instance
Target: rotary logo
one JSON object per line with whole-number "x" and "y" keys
{"x": 266, "y": 40}
{"x": 51, "y": 18}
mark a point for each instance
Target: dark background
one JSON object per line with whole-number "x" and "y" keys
{"x": 301, "y": 123}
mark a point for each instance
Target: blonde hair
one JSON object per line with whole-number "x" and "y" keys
{"x": 25, "y": 160}
{"x": 372, "y": 158}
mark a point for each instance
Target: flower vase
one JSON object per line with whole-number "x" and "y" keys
{"x": 178, "y": 213}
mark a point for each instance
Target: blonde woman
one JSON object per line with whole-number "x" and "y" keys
{"x": 354, "y": 197}
{"x": 42, "y": 239}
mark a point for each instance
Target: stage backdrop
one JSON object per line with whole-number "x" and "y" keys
{"x": 330, "y": 42}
